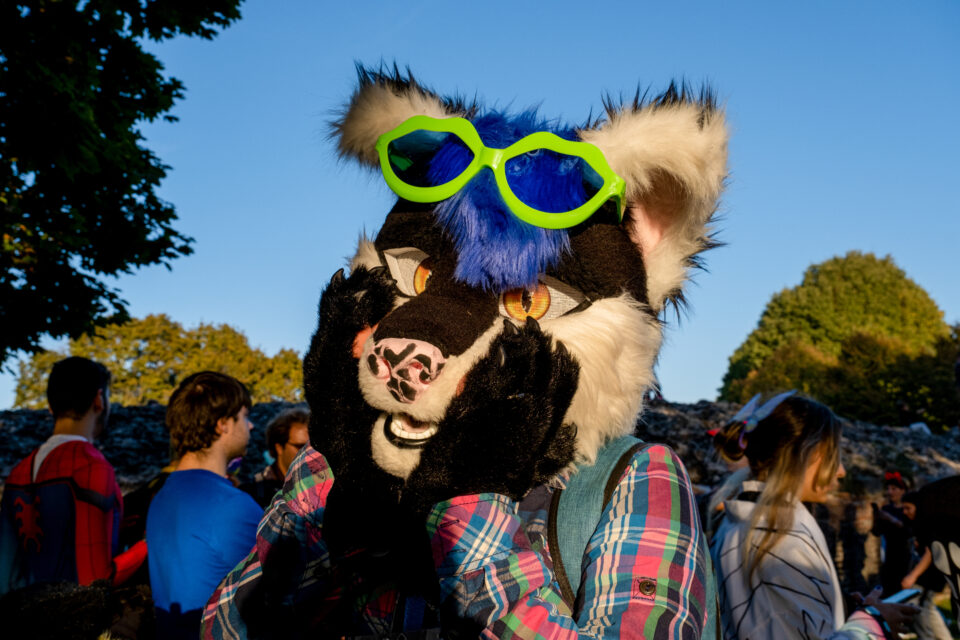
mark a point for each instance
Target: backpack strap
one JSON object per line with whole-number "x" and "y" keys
{"x": 575, "y": 511}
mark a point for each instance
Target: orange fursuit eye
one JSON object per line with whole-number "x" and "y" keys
{"x": 523, "y": 303}
{"x": 421, "y": 276}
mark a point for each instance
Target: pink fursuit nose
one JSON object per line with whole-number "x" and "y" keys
{"x": 406, "y": 367}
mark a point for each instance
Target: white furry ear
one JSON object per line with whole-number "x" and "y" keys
{"x": 382, "y": 101}
{"x": 672, "y": 153}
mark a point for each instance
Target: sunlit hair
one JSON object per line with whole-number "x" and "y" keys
{"x": 779, "y": 450}
{"x": 198, "y": 404}
{"x": 278, "y": 429}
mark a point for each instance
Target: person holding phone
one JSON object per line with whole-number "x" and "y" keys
{"x": 776, "y": 570}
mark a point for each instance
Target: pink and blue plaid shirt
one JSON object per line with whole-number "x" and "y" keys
{"x": 643, "y": 570}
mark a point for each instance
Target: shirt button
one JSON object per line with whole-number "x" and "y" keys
{"x": 647, "y": 587}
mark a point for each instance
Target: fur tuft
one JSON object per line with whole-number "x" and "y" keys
{"x": 384, "y": 98}
{"x": 366, "y": 255}
{"x": 615, "y": 341}
{"x": 497, "y": 250}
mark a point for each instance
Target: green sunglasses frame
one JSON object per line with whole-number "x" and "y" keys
{"x": 496, "y": 160}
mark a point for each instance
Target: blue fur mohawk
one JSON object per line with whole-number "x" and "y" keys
{"x": 497, "y": 250}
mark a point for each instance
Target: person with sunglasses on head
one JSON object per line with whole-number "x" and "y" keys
{"x": 777, "y": 577}
{"x": 480, "y": 369}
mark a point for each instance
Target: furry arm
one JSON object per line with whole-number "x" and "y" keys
{"x": 644, "y": 569}
{"x": 505, "y": 433}
{"x": 487, "y": 570}
{"x": 289, "y": 564}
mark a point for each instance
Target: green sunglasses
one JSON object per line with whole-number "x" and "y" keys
{"x": 406, "y": 154}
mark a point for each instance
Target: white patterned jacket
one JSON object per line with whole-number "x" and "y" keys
{"x": 795, "y": 592}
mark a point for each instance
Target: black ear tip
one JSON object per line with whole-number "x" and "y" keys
{"x": 509, "y": 329}
{"x": 532, "y": 324}
{"x": 337, "y": 277}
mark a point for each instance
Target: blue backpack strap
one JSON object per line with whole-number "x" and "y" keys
{"x": 575, "y": 511}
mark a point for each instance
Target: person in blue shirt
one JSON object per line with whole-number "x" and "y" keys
{"x": 199, "y": 526}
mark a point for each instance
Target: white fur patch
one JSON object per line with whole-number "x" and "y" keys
{"x": 376, "y": 109}
{"x": 615, "y": 341}
{"x": 394, "y": 460}
{"x": 432, "y": 404}
{"x": 366, "y": 255}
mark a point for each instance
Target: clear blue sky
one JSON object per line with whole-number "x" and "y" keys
{"x": 844, "y": 121}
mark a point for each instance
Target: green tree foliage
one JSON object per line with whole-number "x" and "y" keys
{"x": 77, "y": 186}
{"x": 793, "y": 365}
{"x": 880, "y": 378}
{"x": 148, "y": 358}
{"x": 858, "y": 335}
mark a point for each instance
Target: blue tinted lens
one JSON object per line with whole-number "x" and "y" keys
{"x": 424, "y": 158}
{"x": 552, "y": 182}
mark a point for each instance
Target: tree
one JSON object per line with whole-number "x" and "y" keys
{"x": 149, "y": 357}
{"x": 837, "y": 298}
{"x": 858, "y": 335}
{"x": 793, "y": 365}
{"x": 880, "y": 380}
{"x": 77, "y": 186}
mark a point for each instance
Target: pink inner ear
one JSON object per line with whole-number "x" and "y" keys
{"x": 647, "y": 225}
{"x": 651, "y": 215}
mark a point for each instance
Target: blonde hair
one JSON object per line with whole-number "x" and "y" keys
{"x": 780, "y": 449}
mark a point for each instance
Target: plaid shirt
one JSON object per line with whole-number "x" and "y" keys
{"x": 643, "y": 574}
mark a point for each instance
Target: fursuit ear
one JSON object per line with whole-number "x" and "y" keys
{"x": 672, "y": 152}
{"x": 382, "y": 101}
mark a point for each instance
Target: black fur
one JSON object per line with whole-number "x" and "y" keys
{"x": 676, "y": 93}
{"x": 411, "y": 225}
{"x": 505, "y": 432}
{"x": 400, "y": 83}
{"x": 340, "y": 420}
{"x": 603, "y": 263}
{"x": 449, "y": 314}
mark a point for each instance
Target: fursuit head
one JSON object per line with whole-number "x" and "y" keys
{"x": 485, "y": 340}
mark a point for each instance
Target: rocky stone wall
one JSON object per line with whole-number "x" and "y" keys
{"x": 136, "y": 443}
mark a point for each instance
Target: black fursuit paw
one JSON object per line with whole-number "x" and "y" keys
{"x": 505, "y": 432}
{"x": 340, "y": 419}
{"x": 357, "y": 301}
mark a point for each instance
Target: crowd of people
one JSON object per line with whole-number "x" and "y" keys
{"x": 63, "y": 518}
{"x": 772, "y": 559}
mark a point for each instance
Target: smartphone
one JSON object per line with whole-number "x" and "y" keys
{"x": 902, "y": 596}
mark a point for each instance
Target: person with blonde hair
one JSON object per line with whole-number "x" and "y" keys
{"x": 776, "y": 573}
